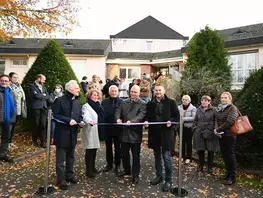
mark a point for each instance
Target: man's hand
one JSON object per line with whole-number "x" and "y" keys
{"x": 168, "y": 124}
{"x": 81, "y": 124}
{"x": 92, "y": 123}
{"x": 146, "y": 124}
{"x": 128, "y": 122}
{"x": 215, "y": 132}
{"x": 119, "y": 121}
{"x": 72, "y": 122}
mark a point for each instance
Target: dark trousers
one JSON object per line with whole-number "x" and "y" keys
{"x": 13, "y": 128}
{"x": 62, "y": 155}
{"x": 5, "y": 136}
{"x": 165, "y": 154}
{"x": 187, "y": 143}
{"x": 109, "y": 151}
{"x": 228, "y": 150}
{"x": 210, "y": 158}
{"x": 136, "y": 150}
{"x": 39, "y": 123}
{"x": 90, "y": 158}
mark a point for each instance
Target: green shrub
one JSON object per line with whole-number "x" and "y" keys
{"x": 250, "y": 102}
{"x": 52, "y": 63}
{"x": 206, "y": 70}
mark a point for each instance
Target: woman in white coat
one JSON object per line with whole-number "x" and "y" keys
{"x": 90, "y": 134}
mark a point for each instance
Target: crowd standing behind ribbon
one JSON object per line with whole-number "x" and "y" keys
{"x": 142, "y": 101}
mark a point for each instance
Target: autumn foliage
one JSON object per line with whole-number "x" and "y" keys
{"x": 36, "y": 18}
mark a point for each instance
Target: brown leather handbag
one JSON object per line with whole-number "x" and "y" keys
{"x": 241, "y": 125}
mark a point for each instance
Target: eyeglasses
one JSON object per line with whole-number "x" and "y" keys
{"x": 4, "y": 81}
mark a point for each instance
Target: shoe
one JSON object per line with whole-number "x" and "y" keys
{"x": 63, "y": 185}
{"x": 43, "y": 145}
{"x": 124, "y": 173}
{"x": 107, "y": 168}
{"x": 135, "y": 179}
{"x": 230, "y": 181}
{"x": 200, "y": 168}
{"x": 91, "y": 176}
{"x": 96, "y": 171}
{"x": 209, "y": 170}
{"x": 7, "y": 159}
{"x": 227, "y": 175}
{"x": 156, "y": 181}
{"x": 117, "y": 170}
{"x": 167, "y": 186}
{"x": 35, "y": 144}
{"x": 72, "y": 180}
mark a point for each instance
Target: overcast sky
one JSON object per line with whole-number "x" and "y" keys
{"x": 101, "y": 18}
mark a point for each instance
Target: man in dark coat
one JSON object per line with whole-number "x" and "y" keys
{"x": 84, "y": 84}
{"x": 105, "y": 89}
{"x": 110, "y": 105}
{"x": 131, "y": 110}
{"x": 38, "y": 98}
{"x": 68, "y": 110}
{"x": 161, "y": 137}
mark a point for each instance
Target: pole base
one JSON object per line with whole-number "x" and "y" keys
{"x": 41, "y": 190}
{"x": 175, "y": 192}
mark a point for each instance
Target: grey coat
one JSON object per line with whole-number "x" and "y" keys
{"x": 189, "y": 115}
{"x": 205, "y": 120}
{"x": 90, "y": 134}
{"x": 134, "y": 112}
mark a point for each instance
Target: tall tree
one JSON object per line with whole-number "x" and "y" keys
{"x": 206, "y": 70}
{"x": 36, "y": 17}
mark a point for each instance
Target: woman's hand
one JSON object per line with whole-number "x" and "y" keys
{"x": 92, "y": 123}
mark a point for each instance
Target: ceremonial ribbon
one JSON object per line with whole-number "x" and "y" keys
{"x": 125, "y": 124}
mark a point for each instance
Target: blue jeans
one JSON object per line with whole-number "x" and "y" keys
{"x": 52, "y": 131}
{"x": 158, "y": 153}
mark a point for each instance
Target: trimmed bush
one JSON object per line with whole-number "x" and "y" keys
{"x": 250, "y": 102}
{"x": 206, "y": 70}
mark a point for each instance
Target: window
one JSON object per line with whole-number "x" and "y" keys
{"x": 2, "y": 66}
{"x": 19, "y": 63}
{"x": 242, "y": 65}
{"x": 129, "y": 73}
{"x": 149, "y": 45}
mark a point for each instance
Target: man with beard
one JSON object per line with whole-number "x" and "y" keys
{"x": 161, "y": 137}
{"x": 110, "y": 105}
{"x": 38, "y": 97}
{"x": 131, "y": 110}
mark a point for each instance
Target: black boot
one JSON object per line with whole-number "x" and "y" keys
{"x": 156, "y": 180}
{"x": 210, "y": 161}
{"x": 107, "y": 168}
{"x": 135, "y": 179}
{"x": 200, "y": 168}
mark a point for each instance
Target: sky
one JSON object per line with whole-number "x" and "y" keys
{"x": 101, "y": 18}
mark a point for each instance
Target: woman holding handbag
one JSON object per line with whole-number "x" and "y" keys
{"x": 204, "y": 138}
{"x": 226, "y": 116}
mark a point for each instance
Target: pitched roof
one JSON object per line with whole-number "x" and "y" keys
{"x": 69, "y": 46}
{"x": 144, "y": 55}
{"x": 243, "y": 32}
{"x": 149, "y": 28}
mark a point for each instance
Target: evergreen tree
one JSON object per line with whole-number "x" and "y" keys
{"x": 206, "y": 70}
{"x": 250, "y": 102}
{"x": 52, "y": 63}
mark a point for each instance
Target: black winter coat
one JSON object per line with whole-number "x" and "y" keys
{"x": 161, "y": 135}
{"x": 110, "y": 105}
{"x": 37, "y": 99}
{"x": 65, "y": 108}
{"x": 134, "y": 112}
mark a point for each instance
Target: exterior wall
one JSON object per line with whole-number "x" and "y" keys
{"x": 91, "y": 65}
{"x": 140, "y": 45}
{"x": 112, "y": 70}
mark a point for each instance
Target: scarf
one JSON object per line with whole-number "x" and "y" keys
{"x": 186, "y": 106}
{"x": 9, "y": 107}
{"x": 98, "y": 108}
{"x": 221, "y": 107}
{"x": 16, "y": 87}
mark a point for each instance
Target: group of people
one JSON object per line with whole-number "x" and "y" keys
{"x": 117, "y": 116}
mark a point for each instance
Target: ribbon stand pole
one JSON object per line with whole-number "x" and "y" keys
{"x": 179, "y": 191}
{"x": 47, "y": 190}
